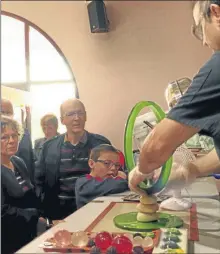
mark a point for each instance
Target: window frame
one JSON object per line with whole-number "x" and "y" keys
{"x": 27, "y": 84}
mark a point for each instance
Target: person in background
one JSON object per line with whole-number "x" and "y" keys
{"x": 49, "y": 125}
{"x": 63, "y": 159}
{"x": 104, "y": 178}
{"x": 25, "y": 150}
{"x": 19, "y": 204}
{"x": 173, "y": 93}
{"x": 197, "y": 111}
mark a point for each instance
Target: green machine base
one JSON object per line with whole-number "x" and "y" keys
{"x": 129, "y": 221}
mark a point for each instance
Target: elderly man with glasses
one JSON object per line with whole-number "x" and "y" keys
{"x": 197, "y": 111}
{"x": 63, "y": 159}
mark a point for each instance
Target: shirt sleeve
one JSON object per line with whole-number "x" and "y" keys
{"x": 199, "y": 106}
{"x": 88, "y": 189}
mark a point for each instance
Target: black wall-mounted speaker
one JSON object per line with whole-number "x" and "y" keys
{"x": 98, "y": 19}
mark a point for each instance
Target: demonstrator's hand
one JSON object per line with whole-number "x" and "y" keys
{"x": 135, "y": 178}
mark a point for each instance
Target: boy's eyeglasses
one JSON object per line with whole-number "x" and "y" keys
{"x": 109, "y": 164}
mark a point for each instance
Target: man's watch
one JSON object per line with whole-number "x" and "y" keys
{"x": 49, "y": 223}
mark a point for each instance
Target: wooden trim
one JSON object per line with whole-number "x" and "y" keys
{"x": 29, "y": 23}
{"x": 100, "y": 217}
{"x": 14, "y": 84}
{"x": 22, "y": 86}
{"x": 193, "y": 224}
{"x": 51, "y": 82}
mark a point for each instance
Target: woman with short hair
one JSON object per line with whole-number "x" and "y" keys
{"x": 19, "y": 213}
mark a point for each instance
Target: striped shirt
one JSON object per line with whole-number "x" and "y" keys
{"x": 73, "y": 164}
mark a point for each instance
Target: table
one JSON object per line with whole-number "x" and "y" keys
{"x": 208, "y": 209}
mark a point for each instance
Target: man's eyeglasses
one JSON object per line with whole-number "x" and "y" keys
{"x": 7, "y": 138}
{"x": 75, "y": 114}
{"x": 110, "y": 164}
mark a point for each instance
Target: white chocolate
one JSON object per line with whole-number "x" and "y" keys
{"x": 148, "y": 200}
{"x": 147, "y": 217}
{"x": 147, "y": 208}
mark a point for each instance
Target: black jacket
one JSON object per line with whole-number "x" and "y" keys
{"x": 19, "y": 214}
{"x": 47, "y": 170}
{"x": 25, "y": 152}
{"x": 38, "y": 144}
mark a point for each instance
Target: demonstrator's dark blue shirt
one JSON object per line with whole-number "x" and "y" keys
{"x": 200, "y": 105}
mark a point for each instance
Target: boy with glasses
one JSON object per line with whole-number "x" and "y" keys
{"x": 104, "y": 178}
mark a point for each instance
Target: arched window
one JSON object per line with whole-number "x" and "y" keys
{"x": 33, "y": 62}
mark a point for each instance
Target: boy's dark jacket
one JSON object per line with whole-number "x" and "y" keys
{"x": 88, "y": 188}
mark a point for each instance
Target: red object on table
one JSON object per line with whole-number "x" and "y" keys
{"x": 122, "y": 244}
{"x": 103, "y": 240}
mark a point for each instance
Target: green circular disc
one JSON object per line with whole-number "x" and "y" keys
{"x": 129, "y": 221}
{"x": 128, "y": 146}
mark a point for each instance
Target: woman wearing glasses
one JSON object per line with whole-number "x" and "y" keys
{"x": 25, "y": 150}
{"x": 19, "y": 214}
{"x": 197, "y": 111}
